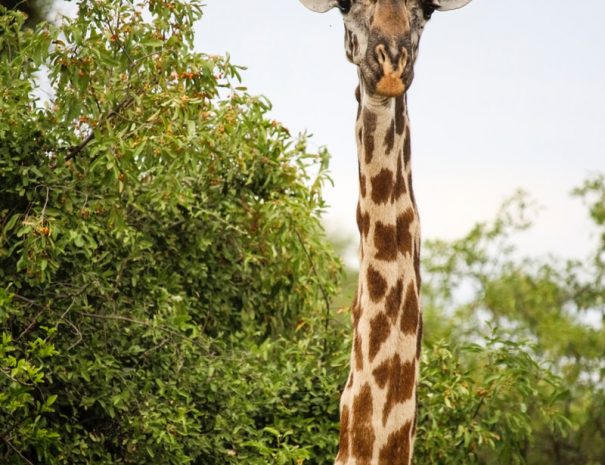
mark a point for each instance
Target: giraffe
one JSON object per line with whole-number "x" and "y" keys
{"x": 378, "y": 406}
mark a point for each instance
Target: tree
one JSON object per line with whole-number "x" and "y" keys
{"x": 35, "y": 10}
{"x": 158, "y": 232}
{"x": 557, "y": 304}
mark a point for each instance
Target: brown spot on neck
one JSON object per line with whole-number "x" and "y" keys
{"x": 358, "y": 351}
{"x": 381, "y": 374}
{"x": 401, "y": 383}
{"x": 399, "y": 188}
{"x": 343, "y": 448}
{"x": 398, "y": 448}
{"x": 394, "y": 299}
{"x": 380, "y": 328}
{"x": 417, "y": 267}
{"x": 377, "y": 285}
{"x": 411, "y": 311}
{"x": 407, "y": 148}
{"x": 362, "y": 185}
{"x": 363, "y": 221}
{"x": 363, "y": 435}
{"x": 389, "y": 138}
{"x": 400, "y": 114}
{"x": 382, "y": 186}
{"x": 404, "y": 236}
{"x": 370, "y": 121}
{"x": 385, "y": 241}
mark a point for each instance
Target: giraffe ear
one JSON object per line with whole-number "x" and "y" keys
{"x": 319, "y": 6}
{"x": 446, "y": 5}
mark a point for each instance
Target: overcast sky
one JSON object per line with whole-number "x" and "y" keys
{"x": 508, "y": 94}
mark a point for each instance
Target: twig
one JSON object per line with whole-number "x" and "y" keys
{"x": 75, "y": 328}
{"x": 481, "y": 402}
{"x": 154, "y": 348}
{"x": 80, "y": 147}
{"x": 14, "y": 380}
{"x": 10, "y": 444}
{"x": 45, "y": 204}
{"x": 138, "y": 322}
{"x": 32, "y": 323}
{"x": 34, "y": 319}
{"x": 26, "y": 300}
{"x": 76, "y": 150}
{"x": 44, "y": 308}
{"x": 321, "y": 288}
{"x": 78, "y": 332}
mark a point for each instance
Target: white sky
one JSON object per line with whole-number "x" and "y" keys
{"x": 507, "y": 94}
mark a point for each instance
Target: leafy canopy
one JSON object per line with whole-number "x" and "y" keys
{"x": 155, "y": 228}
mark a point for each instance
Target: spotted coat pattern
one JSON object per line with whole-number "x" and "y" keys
{"x": 378, "y": 405}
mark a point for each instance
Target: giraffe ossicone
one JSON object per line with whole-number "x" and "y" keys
{"x": 378, "y": 406}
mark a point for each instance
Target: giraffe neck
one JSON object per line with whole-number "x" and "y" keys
{"x": 378, "y": 405}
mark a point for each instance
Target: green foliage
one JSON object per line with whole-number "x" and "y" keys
{"x": 35, "y": 10}
{"x": 479, "y": 403}
{"x": 556, "y": 304}
{"x": 157, "y": 232}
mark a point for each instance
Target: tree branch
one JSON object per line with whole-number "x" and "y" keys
{"x": 142, "y": 323}
{"x": 324, "y": 293}
{"x": 76, "y": 150}
{"x": 10, "y": 444}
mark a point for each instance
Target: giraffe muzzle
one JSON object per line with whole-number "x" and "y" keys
{"x": 391, "y": 82}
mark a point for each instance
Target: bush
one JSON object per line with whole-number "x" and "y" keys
{"x": 156, "y": 227}
{"x": 480, "y": 403}
{"x": 557, "y": 304}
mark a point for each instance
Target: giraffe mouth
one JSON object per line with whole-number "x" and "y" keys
{"x": 390, "y": 85}
{"x": 386, "y": 72}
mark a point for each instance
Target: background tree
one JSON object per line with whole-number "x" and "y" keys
{"x": 35, "y": 10}
{"x": 481, "y": 279}
{"x": 158, "y": 232}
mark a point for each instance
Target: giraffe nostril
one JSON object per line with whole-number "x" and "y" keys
{"x": 381, "y": 54}
{"x": 394, "y": 61}
{"x": 403, "y": 58}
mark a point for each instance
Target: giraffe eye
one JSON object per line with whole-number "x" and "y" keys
{"x": 344, "y": 6}
{"x": 428, "y": 12}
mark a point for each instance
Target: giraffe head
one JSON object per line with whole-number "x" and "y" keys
{"x": 382, "y": 36}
